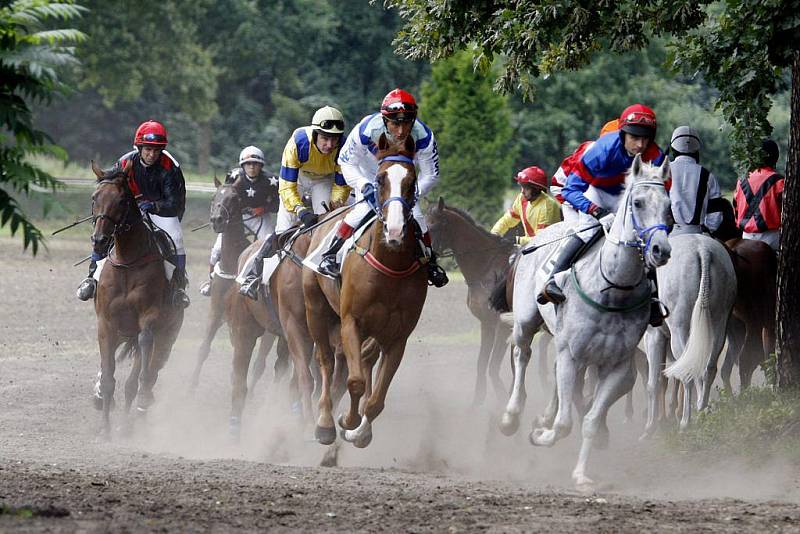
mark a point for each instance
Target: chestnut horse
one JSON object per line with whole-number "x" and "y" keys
{"x": 383, "y": 289}
{"x": 226, "y": 219}
{"x": 132, "y": 301}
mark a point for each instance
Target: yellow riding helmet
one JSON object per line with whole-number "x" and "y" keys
{"x": 328, "y": 120}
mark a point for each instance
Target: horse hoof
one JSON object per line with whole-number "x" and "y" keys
{"x": 331, "y": 457}
{"x": 363, "y": 440}
{"x": 509, "y": 424}
{"x": 341, "y": 420}
{"x": 541, "y": 437}
{"x": 234, "y": 429}
{"x": 324, "y": 435}
{"x": 97, "y": 402}
{"x": 584, "y": 484}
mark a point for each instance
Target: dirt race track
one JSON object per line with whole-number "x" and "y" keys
{"x": 436, "y": 464}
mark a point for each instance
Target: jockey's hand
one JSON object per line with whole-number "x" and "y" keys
{"x": 307, "y": 217}
{"x": 597, "y": 212}
{"x": 368, "y": 192}
{"x": 147, "y": 206}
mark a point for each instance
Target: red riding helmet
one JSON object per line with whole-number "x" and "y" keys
{"x": 638, "y": 120}
{"x": 150, "y": 133}
{"x": 399, "y": 105}
{"x": 532, "y": 175}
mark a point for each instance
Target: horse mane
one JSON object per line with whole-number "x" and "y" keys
{"x": 470, "y": 219}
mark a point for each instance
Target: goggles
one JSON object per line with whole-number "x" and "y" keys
{"x": 401, "y": 117}
{"x": 331, "y": 124}
{"x": 643, "y": 119}
{"x": 154, "y": 138}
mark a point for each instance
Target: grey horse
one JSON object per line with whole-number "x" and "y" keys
{"x": 604, "y": 316}
{"x": 698, "y": 286}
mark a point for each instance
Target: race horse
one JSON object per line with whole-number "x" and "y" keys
{"x": 383, "y": 289}
{"x": 698, "y": 287}
{"x": 132, "y": 301}
{"x": 226, "y": 219}
{"x": 604, "y": 316}
{"x": 482, "y": 258}
{"x": 751, "y": 332}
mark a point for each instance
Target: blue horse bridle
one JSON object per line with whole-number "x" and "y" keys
{"x": 406, "y": 204}
{"x": 644, "y": 236}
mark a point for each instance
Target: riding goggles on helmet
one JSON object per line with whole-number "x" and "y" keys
{"x": 153, "y": 138}
{"x": 330, "y": 124}
{"x": 640, "y": 118}
{"x": 401, "y": 117}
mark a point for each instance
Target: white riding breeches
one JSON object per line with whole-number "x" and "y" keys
{"x": 588, "y": 225}
{"x": 261, "y": 226}
{"x": 319, "y": 189}
{"x": 569, "y": 214}
{"x": 361, "y": 209}
{"x": 770, "y": 237}
{"x": 172, "y": 226}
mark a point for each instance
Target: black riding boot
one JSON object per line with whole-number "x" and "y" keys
{"x": 657, "y": 311}
{"x": 437, "y": 277}
{"x": 250, "y": 285}
{"x": 89, "y": 284}
{"x": 328, "y": 265}
{"x": 551, "y": 292}
{"x": 179, "y": 296}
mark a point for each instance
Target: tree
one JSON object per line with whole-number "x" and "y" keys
{"x": 30, "y": 53}
{"x": 741, "y": 46}
{"x": 476, "y": 143}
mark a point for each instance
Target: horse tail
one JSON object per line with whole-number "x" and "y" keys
{"x": 497, "y": 299}
{"x": 129, "y": 350}
{"x": 696, "y": 355}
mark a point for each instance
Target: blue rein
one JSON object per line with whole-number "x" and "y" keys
{"x": 644, "y": 235}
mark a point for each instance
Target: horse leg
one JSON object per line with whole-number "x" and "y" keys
{"x": 686, "y": 417}
{"x": 244, "y": 341}
{"x": 656, "y": 345}
{"x": 639, "y": 360}
{"x": 356, "y": 383}
{"x": 501, "y": 333}
{"x": 325, "y": 432}
{"x": 144, "y": 397}
{"x": 583, "y": 378}
{"x": 548, "y": 417}
{"x": 736, "y": 332}
{"x": 389, "y": 362}
{"x": 260, "y": 363}
{"x": 281, "y": 367}
{"x": 523, "y": 336}
{"x": 132, "y": 383}
{"x": 566, "y": 379}
{"x": 108, "y": 341}
{"x": 215, "y": 320}
{"x": 487, "y": 340}
{"x": 614, "y": 382}
{"x": 751, "y": 355}
{"x": 544, "y": 343}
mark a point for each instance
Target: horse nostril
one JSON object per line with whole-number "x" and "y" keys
{"x": 656, "y": 250}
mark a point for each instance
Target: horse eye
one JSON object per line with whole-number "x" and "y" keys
{"x": 637, "y": 204}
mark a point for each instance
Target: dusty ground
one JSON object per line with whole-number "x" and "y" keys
{"x": 435, "y": 464}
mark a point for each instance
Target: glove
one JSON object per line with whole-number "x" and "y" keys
{"x": 147, "y": 206}
{"x": 307, "y": 218}
{"x": 368, "y": 192}
{"x": 597, "y": 212}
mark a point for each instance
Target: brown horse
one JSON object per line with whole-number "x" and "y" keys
{"x": 751, "y": 329}
{"x": 132, "y": 301}
{"x": 482, "y": 258}
{"x": 226, "y": 219}
{"x": 383, "y": 289}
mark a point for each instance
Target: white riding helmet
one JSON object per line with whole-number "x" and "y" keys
{"x": 328, "y": 120}
{"x": 251, "y": 154}
{"x": 685, "y": 140}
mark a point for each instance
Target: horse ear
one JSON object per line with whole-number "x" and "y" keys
{"x": 665, "y": 174}
{"x": 97, "y": 171}
{"x": 217, "y": 183}
{"x": 410, "y": 146}
{"x": 440, "y": 205}
{"x": 383, "y": 143}
{"x": 636, "y": 169}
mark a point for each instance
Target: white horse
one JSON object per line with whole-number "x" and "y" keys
{"x": 698, "y": 286}
{"x": 604, "y": 316}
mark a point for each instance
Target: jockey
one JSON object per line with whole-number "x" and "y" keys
{"x": 533, "y": 206}
{"x": 308, "y": 167}
{"x": 758, "y": 199}
{"x": 595, "y": 185}
{"x": 157, "y": 184}
{"x": 693, "y": 186}
{"x": 259, "y": 193}
{"x": 398, "y": 120}
{"x": 560, "y": 177}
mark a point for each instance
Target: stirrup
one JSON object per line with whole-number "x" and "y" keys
{"x": 437, "y": 276}
{"x": 87, "y": 289}
{"x": 249, "y": 287}
{"x": 180, "y": 299}
{"x": 329, "y": 267}
{"x": 658, "y": 313}
{"x": 551, "y": 294}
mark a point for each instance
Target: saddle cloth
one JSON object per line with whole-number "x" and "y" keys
{"x": 169, "y": 268}
{"x": 313, "y": 259}
{"x": 543, "y": 272}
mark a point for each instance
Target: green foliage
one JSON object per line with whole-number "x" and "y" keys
{"x": 30, "y": 55}
{"x": 758, "y": 423}
{"x": 476, "y": 142}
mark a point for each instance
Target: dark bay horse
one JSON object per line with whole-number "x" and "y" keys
{"x": 482, "y": 258}
{"x": 132, "y": 299}
{"x": 226, "y": 219}
{"x": 383, "y": 290}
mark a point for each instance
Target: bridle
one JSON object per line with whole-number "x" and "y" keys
{"x": 407, "y": 206}
{"x": 644, "y": 235}
{"x": 123, "y": 224}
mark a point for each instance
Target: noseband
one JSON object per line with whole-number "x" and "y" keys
{"x": 407, "y": 206}
{"x": 644, "y": 236}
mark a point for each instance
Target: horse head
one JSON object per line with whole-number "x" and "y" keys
{"x": 113, "y": 207}
{"x": 437, "y": 219}
{"x": 644, "y": 218}
{"x": 225, "y": 204}
{"x": 396, "y": 184}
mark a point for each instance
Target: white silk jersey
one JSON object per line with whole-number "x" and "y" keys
{"x": 360, "y": 165}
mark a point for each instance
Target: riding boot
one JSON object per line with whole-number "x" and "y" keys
{"x": 179, "y": 281}
{"x": 328, "y": 264}
{"x": 252, "y": 281}
{"x": 657, "y": 310}
{"x": 437, "y": 277}
{"x": 205, "y": 289}
{"x": 86, "y": 289}
{"x": 551, "y": 292}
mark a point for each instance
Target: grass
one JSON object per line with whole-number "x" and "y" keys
{"x": 757, "y": 424}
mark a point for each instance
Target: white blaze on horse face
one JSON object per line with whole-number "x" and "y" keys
{"x": 395, "y": 221}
